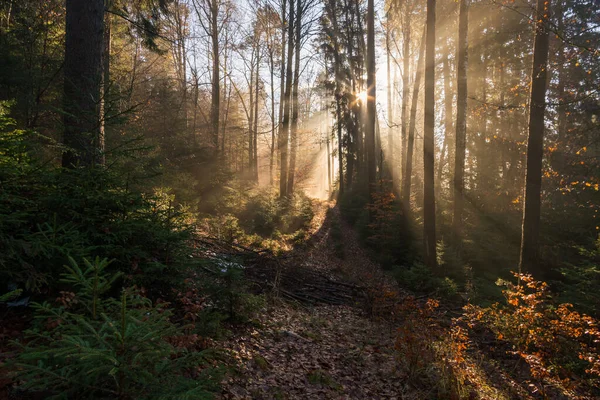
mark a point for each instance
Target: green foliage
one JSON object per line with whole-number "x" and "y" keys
{"x": 380, "y": 224}
{"x": 420, "y": 279}
{"x": 229, "y": 292}
{"x": 261, "y": 214}
{"x": 98, "y": 347}
{"x": 51, "y": 214}
{"x": 224, "y": 227}
{"x": 10, "y": 295}
{"x": 265, "y": 214}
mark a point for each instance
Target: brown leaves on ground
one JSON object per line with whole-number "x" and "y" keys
{"x": 327, "y": 352}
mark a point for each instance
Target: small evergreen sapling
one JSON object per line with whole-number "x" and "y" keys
{"x": 99, "y": 347}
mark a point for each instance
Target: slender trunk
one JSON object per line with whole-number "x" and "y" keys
{"x": 106, "y": 78}
{"x": 338, "y": 92}
{"x": 371, "y": 93}
{"x": 405, "y": 88}
{"x": 282, "y": 79}
{"x": 272, "y": 72}
{"x": 445, "y": 153}
{"x": 285, "y": 124}
{"x": 216, "y": 78}
{"x": 327, "y": 134}
{"x": 295, "y": 104}
{"x": 406, "y": 184}
{"x": 428, "y": 142}
{"x": 256, "y": 103}
{"x": 390, "y": 110}
{"x": 561, "y": 122}
{"x": 529, "y": 260}
{"x": 250, "y": 115}
{"x": 461, "y": 119}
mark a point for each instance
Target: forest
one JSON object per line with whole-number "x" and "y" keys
{"x": 299, "y": 199}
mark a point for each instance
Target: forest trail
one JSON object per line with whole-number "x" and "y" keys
{"x": 320, "y": 350}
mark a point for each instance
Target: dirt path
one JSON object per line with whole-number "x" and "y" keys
{"x": 320, "y": 351}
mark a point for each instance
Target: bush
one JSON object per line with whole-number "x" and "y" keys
{"x": 555, "y": 340}
{"x": 419, "y": 278}
{"x": 267, "y": 215}
{"x": 49, "y": 214}
{"x": 297, "y": 213}
{"x": 228, "y": 292}
{"x": 95, "y": 346}
{"x": 261, "y": 214}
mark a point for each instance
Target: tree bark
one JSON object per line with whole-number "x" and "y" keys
{"x": 256, "y": 103}
{"x": 428, "y": 142}
{"x": 406, "y": 184}
{"x": 216, "y": 76}
{"x": 83, "y": 75}
{"x": 371, "y": 97}
{"x": 405, "y": 88}
{"x": 295, "y": 104}
{"x": 285, "y": 124}
{"x": 461, "y": 119}
{"x": 390, "y": 110}
{"x": 529, "y": 259}
{"x": 444, "y": 155}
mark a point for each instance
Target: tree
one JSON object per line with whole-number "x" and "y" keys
{"x": 410, "y": 145}
{"x": 83, "y": 94}
{"x": 371, "y": 93}
{"x": 529, "y": 258}
{"x": 295, "y": 104}
{"x": 428, "y": 141}
{"x": 286, "y": 100}
{"x": 461, "y": 119}
{"x": 210, "y": 17}
{"x": 406, "y": 32}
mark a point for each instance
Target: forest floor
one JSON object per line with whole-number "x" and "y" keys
{"x": 323, "y": 350}
{"x": 326, "y": 334}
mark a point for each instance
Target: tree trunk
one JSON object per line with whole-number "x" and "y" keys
{"x": 405, "y": 88}
{"x": 406, "y": 184}
{"x": 216, "y": 76}
{"x": 295, "y": 104}
{"x": 285, "y": 124}
{"x": 256, "y": 103}
{"x": 371, "y": 93}
{"x": 461, "y": 119}
{"x": 281, "y": 83}
{"x": 445, "y": 153}
{"x": 105, "y": 78}
{"x": 428, "y": 142}
{"x": 529, "y": 260}
{"x": 250, "y": 115}
{"x": 272, "y": 72}
{"x": 83, "y": 75}
{"x": 390, "y": 110}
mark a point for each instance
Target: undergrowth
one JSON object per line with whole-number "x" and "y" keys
{"x": 89, "y": 344}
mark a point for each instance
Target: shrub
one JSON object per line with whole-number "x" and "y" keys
{"x": 428, "y": 353}
{"x": 95, "y": 346}
{"x": 49, "y": 214}
{"x": 261, "y": 214}
{"x": 419, "y": 278}
{"x": 228, "y": 292}
{"x": 554, "y": 339}
{"x": 297, "y": 213}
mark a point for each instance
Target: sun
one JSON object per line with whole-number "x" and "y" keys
{"x": 362, "y": 96}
